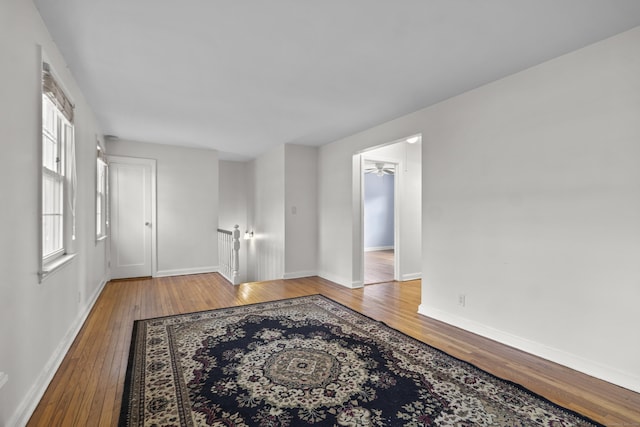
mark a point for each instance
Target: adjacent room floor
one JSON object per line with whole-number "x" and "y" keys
{"x": 378, "y": 266}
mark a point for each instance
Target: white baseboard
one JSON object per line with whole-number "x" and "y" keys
{"x": 299, "y": 274}
{"x": 378, "y": 248}
{"x": 340, "y": 281}
{"x": 357, "y": 284}
{"x": 32, "y": 398}
{"x": 411, "y": 276}
{"x": 586, "y": 366}
{"x": 186, "y": 271}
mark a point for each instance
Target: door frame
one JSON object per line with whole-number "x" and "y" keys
{"x": 359, "y": 246}
{"x": 152, "y": 164}
{"x": 400, "y": 209}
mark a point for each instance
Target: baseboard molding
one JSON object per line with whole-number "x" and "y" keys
{"x": 186, "y": 271}
{"x": 340, "y": 281}
{"x": 410, "y": 276}
{"x": 586, "y": 366}
{"x": 32, "y": 398}
{"x": 378, "y": 248}
{"x": 357, "y": 284}
{"x": 299, "y": 274}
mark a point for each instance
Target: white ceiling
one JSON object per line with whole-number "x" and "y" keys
{"x": 243, "y": 76}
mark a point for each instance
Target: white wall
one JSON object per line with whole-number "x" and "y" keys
{"x": 266, "y": 260}
{"x": 531, "y": 200}
{"x": 301, "y": 211}
{"x": 379, "y": 210}
{"x": 335, "y": 223}
{"x": 532, "y": 185}
{"x": 38, "y": 321}
{"x": 232, "y": 194}
{"x": 233, "y": 202}
{"x": 187, "y": 205}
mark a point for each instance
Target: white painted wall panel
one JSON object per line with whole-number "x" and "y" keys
{"x": 301, "y": 210}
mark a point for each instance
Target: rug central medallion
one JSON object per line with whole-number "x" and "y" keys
{"x": 299, "y": 372}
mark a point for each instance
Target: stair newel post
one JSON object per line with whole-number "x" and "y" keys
{"x": 236, "y": 258}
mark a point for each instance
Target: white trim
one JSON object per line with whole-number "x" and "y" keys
{"x": 39, "y": 153}
{"x": 411, "y": 276}
{"x": 378, "y": 248}
{"x": 32, "y": 398}
{"x": 50, "y": 267}
{"x": 579, "y": 363}
{"x": 340, "y": 281}
{"x": 186, "y": 271}
{"x": 299, "y": 274}
{"x": 401, "y": 167}
{"x": 104, "y": 213}
{"x": 357, "y": 284}
{"x": 357, "y": 219}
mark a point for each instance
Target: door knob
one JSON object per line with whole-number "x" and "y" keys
{"x": 147, "y": 223}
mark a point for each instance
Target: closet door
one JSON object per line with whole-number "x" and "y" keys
{"x": 130, "y": 186}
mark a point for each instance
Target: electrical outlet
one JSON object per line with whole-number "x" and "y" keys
{"x": 462, "y": 300}
{"x": 3, "y": 379}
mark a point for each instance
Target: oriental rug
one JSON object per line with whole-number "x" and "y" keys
{"x": 310, "y": 361}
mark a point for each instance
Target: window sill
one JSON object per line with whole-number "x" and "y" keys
{"x": 51, "y": 267}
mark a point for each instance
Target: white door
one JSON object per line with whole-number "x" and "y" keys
{"x": 132, "y": 214}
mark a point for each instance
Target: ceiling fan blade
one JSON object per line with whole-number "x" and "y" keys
{"x": 380, "y": 169}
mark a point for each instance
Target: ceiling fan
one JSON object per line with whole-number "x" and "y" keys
{"x": 380, "y": 169}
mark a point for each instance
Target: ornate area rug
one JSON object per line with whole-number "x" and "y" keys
{"x": 311, "y": 362}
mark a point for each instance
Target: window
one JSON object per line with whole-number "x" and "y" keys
{"x": 58, "y": 174}
{"x": 101, "y": 194}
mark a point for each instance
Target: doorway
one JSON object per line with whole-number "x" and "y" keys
{"x": 132, "y": 217}
{"x": 379, "y": 220}
{"x": 404, "y": 158}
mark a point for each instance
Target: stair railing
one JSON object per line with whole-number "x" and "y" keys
{"x": 228, "y": 254}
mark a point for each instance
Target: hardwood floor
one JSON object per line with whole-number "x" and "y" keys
{"x": 87, "y": 389}
{"x": 378, "y": 266}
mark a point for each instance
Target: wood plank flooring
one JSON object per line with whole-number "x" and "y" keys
{"x": 87, "y": 389}
{"x": 378, "y": 266}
